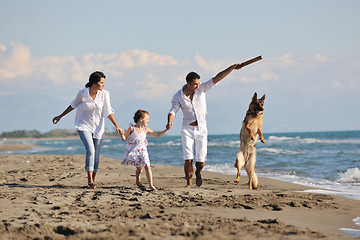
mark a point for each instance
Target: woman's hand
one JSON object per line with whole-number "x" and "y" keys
{"x": 67, "y": 110}
{"x": 120, "y": 130}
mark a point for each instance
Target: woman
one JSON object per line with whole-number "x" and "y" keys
{"x": 93, "y": 105}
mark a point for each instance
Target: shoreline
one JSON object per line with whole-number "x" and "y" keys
{"x": 27, "y": 148}
{"x": 46, "y": 195}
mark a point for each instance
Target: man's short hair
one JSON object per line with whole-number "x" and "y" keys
{"x": 192, "y": 76}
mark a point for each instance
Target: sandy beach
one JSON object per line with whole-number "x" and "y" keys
{"x": 46, "y": 197}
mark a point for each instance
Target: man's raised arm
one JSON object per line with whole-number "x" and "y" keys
{"x": 226, "y": 72}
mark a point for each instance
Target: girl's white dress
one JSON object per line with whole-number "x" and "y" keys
{"x": 136, "y": 151}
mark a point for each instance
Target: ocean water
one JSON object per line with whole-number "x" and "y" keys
{"x": 327, "y": 160}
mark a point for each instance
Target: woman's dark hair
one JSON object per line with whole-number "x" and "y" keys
{"x": 139, "y": 114}
{"x": 95, "y": 78}
{"x": 192, "y": 76}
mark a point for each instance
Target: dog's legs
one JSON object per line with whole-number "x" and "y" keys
{"x": 250, "y": 170}
{"x": 240, "y": 161}
{"x": 247, "y": 126}
{"x": 259, "y": 132}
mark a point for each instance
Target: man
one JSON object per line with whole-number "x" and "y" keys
{"x": 191, "y": 99}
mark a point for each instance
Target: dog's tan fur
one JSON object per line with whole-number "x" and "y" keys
{"x": 250, "y": 131}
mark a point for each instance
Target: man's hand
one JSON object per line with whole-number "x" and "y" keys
{"x": 238, "y": 66}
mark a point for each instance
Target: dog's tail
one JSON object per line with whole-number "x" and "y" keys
{"x": 238, "y": 156}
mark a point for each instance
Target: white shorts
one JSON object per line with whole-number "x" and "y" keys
{"x": 192, "y": 136}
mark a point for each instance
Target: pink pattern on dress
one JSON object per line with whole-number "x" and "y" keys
{"x": 136, "y": 151}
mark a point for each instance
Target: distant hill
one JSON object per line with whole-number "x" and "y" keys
{"x": 36, "y": 134}
{"x": 56, "y": 133}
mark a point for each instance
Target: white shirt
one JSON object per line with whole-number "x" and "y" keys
{"x": 91, "y": 113}
{"x": 194, "y": 110}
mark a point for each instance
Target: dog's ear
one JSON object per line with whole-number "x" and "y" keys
{"x": 255, "y": 96}
{"x": 263, "y": 97}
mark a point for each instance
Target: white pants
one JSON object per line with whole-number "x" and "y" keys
{"x": 193, "y": 136}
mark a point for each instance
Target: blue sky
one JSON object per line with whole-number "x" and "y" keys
{"x": 310, "y": 70}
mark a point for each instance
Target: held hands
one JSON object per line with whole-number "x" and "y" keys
{"x": 119, "y": 130}
{"x": 169, "y": 125}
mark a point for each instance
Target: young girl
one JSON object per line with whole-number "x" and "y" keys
{"x": 136, "y": 152}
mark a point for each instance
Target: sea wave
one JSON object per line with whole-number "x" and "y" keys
{"x": 353, "y": 232}
{"x": 349, "y": 189}
{"x": 222, "y": 168}
{"x": 352, "y": 175}
{"x": 225, "y": 144}
{"x": 169, "y": 143}
{"x": 277, "y": 151}
{"x": 276, "y": 139}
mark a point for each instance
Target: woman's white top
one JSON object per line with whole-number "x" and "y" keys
{"x": 91, "y": 113}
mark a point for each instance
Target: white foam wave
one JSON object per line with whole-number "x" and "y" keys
{"x": 353, "y": 232}
{"x": 222, "y": 168}
{"x": 279, "y": 151}
{"x": 32, "y": 150}
{"x": 275, "y": 139}
{"x": 169, "y": 143}
{"x": 345, "y": 189}
{"x": 352, "y": 175}
{"x": 112, "y": 146}
{"x": 225, "y": 144}
{"x": 279, "y": 139}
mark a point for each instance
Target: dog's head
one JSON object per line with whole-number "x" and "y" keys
{"x": 256, "y": 106}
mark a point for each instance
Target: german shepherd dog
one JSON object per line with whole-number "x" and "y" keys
{"x": 250, "y": 131}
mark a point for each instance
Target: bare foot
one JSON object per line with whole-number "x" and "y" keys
{"x": 142, "y": 187}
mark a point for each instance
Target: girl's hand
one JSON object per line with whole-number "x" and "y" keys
{"x": 124, "y": 136}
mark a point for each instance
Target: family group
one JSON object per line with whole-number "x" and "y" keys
{"x": 92, "y": 106}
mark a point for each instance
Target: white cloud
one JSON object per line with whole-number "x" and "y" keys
{"x": 299, "y": 62}
{"x": 208, "y": 65}
{"x": 2, "y": 48}
{"x": 61, "y": 70}
{"x": 143, "y": 73}
{"x": 151, "y": 77}
{"x": 143, "y": 58}
{"x": 337, "y": 85}
{"x": 267, "y": 75}
{"x": 15, "y": 61}
{"x": 286, "y": 59}
{"x": 320, "y": 58}
{"x": 151, "y": 87}
{"x": 355, "y": 85}
{"x": 5, "y": 93}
